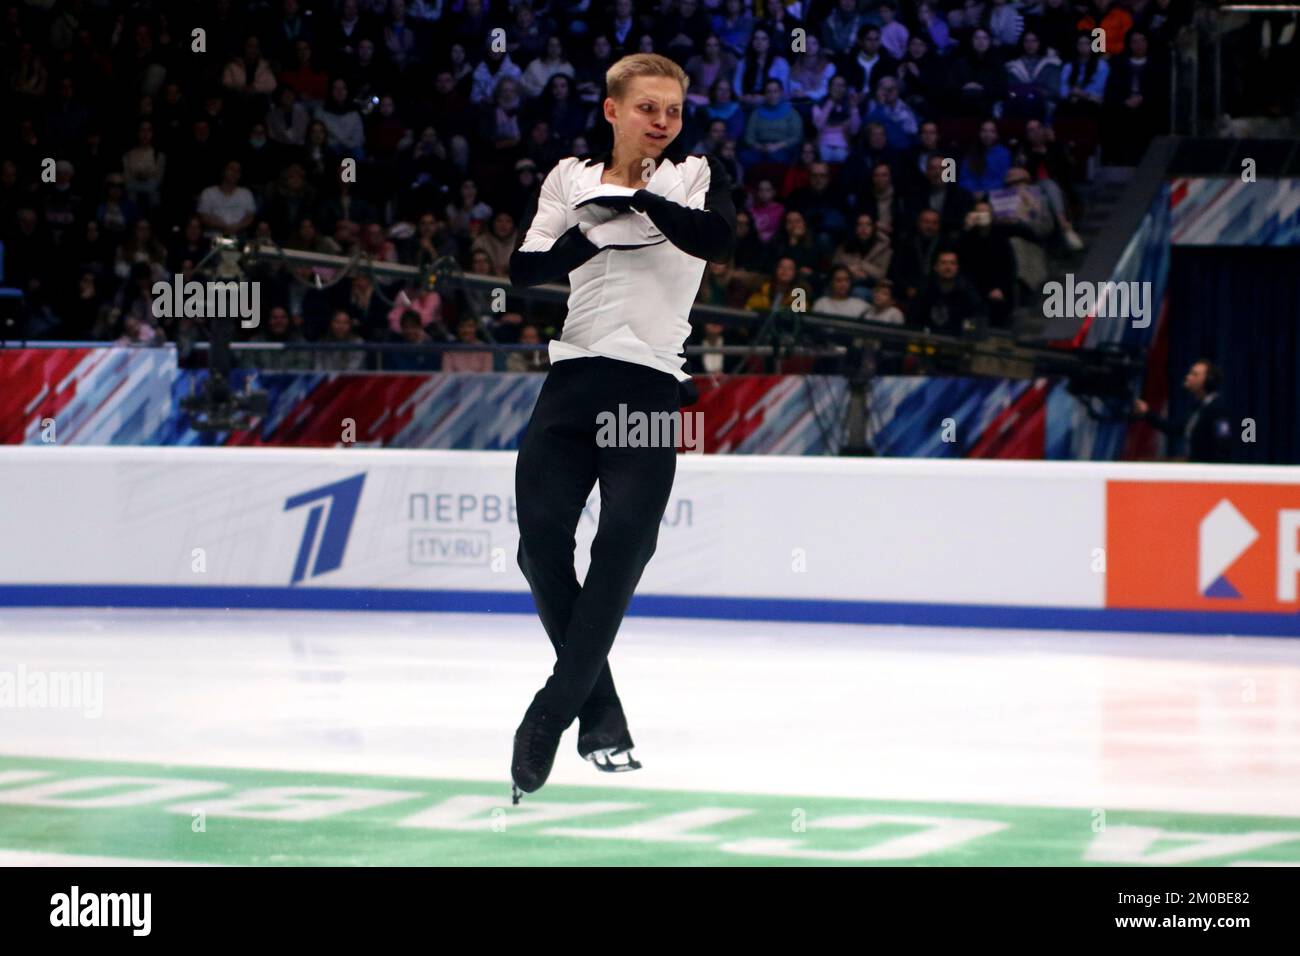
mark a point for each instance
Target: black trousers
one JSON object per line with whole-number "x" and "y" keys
{"x": 558, "y": 464}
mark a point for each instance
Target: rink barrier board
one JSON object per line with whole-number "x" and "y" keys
{"x": 653, "y": 605}
{"x": 875, "y": 541}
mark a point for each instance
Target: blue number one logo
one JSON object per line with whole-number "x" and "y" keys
{"x": 343, "y": 497}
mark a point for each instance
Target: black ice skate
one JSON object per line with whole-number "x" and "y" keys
{"x": 603, "y": 735}
{"x": 536, "y": 741}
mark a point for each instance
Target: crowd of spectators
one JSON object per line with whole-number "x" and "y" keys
{"x": 909, "y": 162}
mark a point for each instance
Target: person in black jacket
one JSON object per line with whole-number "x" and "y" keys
{"x": 867, "y": 63}
{"x": 949, "y": 200}
{"x": 989, "y": 261}
{"x": 1206, "y": 434}
{"x": 948, "y": 304}
{"x": 914, "y": 256}
{"x": 977, "y": 79}
{"x": 1054, "y": 22}
{"x": 1136, "y": 104}
{"x": 1161, "y": 21}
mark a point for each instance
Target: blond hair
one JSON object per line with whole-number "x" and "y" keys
{"x": 619, "y": 77}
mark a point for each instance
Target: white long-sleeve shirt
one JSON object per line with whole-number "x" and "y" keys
{"x": 634, "y": 277}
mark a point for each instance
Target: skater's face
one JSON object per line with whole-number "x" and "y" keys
{"x": 649, "y": 116}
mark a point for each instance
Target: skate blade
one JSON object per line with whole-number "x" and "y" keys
{"x": 603, "y": 759}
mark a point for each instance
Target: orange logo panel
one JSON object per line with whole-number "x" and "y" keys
{"x": 1213, "y": 546}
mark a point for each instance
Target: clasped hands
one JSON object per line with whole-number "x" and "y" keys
{"x": 607, "y": 220}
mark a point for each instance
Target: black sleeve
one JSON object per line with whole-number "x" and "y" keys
{"x": 1158, "y": 422}
{"x": 548, "y": 250}
{"x": 1219, "y": 437}
{"x": 708, "y": 233}
{"x": 568, "y": 252}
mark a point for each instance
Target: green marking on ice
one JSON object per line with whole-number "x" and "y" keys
{"x": 258, "y": 817}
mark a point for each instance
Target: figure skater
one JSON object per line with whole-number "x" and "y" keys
{"x": 632, "y": 230}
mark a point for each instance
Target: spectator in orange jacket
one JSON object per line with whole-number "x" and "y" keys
{"x": 1113, "y": 18}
